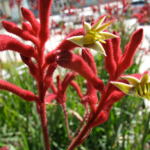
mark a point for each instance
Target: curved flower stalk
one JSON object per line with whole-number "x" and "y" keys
{"x": 136, "y": 87}
{"x": 94, "y": 36}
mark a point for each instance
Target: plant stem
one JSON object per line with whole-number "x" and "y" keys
{"x": 42, "y": 113}
{"x": 83, "y": 133}
{"x": 79, "y": 137}
{"x": 66, "y": 119}
{"x": 82, "y": 122}
{"x": 20, "y": 17}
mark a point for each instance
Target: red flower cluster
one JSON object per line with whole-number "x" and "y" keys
{"x": 143, "y": 14}
{"x": 114, "y": 11}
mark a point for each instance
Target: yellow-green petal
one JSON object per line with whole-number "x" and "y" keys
{"x": 97, "y": 46}
{"x": 126, "y": 88}
{"x": 79, "y": 40}
{"x": 132, "y": 80}
{"x": 104, "y": 26}
{"x": 144, "y": 78}
{"x": 87, "y": 27}
{"x": 107, "y": 35}
{"x": 98, "y": 23}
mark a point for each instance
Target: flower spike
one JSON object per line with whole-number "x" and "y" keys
{"x": 93, "y": 36}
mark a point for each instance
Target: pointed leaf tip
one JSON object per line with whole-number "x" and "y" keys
{"x": 126, "y": 88}
{"x": 97, "y": 46}
{"x": 104, "y": 26}
{"x": 132, "y": 80}
{"x": 144, "y": 78}
{"x": 98, "y": 23}
{"x": 87, "y": 27}
{"x": 107, "y": 35}
{"x": 78, "y": 40}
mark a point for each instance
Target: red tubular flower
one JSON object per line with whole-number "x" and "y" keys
{"x": 10, "y": 43}
{"x": 49, "y": 76}
{"x": 29, "y": 16}
{"x": 88, "y": 57}
{"x": 13, "y": 28}
{"x": 67, "y": 80}
{"x": 59, "y": 83}
{"x": 24, "y": 94}
{"x": 53, "y": 88}
{"x": 44, "y": 8}
{"x": 91, "y": 95}
{"x": 110, "y": 63}
{"x": 77, "y": 88}
{"x": 76, "y": 63}
{"x": 127, "y": 57}
{"x": 32, "y": 67}
{"x": 27, "y": 27}
{"x": 116, "y": 48}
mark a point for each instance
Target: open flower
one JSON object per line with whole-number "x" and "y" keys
{"x": 94, "y": 36}
{"x": 136, "y": 87}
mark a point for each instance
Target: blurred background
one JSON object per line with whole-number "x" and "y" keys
{"x": 128, "y": 125}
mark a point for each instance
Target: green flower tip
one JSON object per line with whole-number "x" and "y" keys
{"x": 94, "y": 36}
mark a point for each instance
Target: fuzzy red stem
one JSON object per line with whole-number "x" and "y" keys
{"x": 43, "y": 119}
{"x": 87, "y": 126}
{"x": 66, "y": 119}
{"x": 81, "y": 124}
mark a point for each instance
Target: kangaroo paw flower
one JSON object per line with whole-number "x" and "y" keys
{"x": 94, "y": 36}
{"x": 137, "y": 87}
